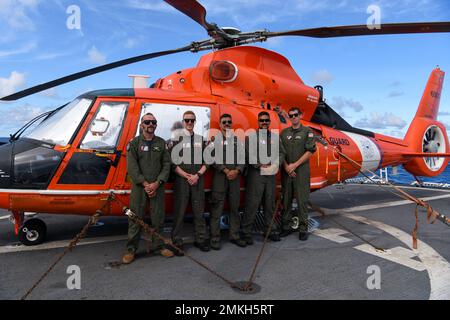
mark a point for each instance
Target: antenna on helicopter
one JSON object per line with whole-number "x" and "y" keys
{"x": 139, "y": 81}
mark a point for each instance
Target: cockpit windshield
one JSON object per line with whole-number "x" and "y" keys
{"x": 60, "y": 127}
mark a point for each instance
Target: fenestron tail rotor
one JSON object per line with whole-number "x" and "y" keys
{"x": 433, "y": 142}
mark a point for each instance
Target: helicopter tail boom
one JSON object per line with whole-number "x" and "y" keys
{"x": 426, "y": 134}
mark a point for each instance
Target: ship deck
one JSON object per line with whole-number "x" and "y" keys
{"x": 337, "y": 261}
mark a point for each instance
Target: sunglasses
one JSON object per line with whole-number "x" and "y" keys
{"x": 148, "y": 122}
{"x": 294, "y": 115}
{"x": 227, "y": 122}
{"x": 264, "y": 120}
{"x": 189, "y": 120}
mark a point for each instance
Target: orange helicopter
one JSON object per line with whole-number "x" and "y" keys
{"x": 75, "y": 156}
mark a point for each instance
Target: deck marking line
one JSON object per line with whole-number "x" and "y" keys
{"x": 58, "y": 244}
{"x": 332, "y": 234}
{"x": 378, "y": 205}
{"x": 398, "y": 255}
{"x": 437, "y": 267}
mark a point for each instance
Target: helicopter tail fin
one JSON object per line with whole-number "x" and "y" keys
{"x": 426, "y": 134}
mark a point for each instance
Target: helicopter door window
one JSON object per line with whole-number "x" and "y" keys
{"x": 104, "y": 131}
{"x": 169, "y": 118}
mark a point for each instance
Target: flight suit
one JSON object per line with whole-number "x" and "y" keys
{"x": 296, "y": 142}
{"x": 147, "y": 161}
{"x": 192, "y": 145}
{"x": 261, "y": 185}
{"x": 222, "y": 187}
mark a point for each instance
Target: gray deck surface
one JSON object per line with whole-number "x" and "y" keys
{"x": 324, "y": 267}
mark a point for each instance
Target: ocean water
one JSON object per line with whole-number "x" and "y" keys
{"x": 403, "y": 177}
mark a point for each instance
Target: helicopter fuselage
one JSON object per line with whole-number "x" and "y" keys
{"x": 71, "y": 166}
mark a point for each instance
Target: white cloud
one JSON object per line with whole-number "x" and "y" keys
{"x": 15, "y": 13}
{"x": 24, "y": 49}
{"x": 444, "y": 113}
{"x": 262, "y": 11}
{"x": 339, "y": 103}
{"x": 96, "y": 56}
{"x": 11, "y": 84}
{"x": 18, "y": 117}
{"x": 381, "y": 121}
{"x": 159, "y": 6}
{"x": 51, "y": 56}
{"x": 395, "y": 93}
{"x": 24, "y": 113}
{"x": 395, "y": 83}
{"x": 50, "y": 93}
{"x": 322, "y": 77}
{"x": 131, "y": 43}
{"x": 396, "y": 134}
{"x": 308, "y": 6}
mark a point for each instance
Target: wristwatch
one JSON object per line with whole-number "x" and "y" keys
{"x": 199, "y": 174}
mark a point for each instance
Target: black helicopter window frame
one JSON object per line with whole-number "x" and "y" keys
{"x": 114, "y": 150}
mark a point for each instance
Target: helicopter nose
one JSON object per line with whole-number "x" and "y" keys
{"x": 5, "y": 165}
{"x": 5, "y": 174}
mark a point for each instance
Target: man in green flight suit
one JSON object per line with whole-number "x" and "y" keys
{"x": 299, "y": 145}
{"x": 187, "y": 157}
{"x": 148, "y": 165}
{"x": 264, "y": 152}
{"x": 229, "y": 155}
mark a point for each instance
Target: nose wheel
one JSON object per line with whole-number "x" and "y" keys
{"x": 33, "y": 232}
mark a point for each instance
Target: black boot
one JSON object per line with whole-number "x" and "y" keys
{"x": 303, "y": 236}
{"x": 285, "y": 233}
{"x": 274, "y": 237}
{"x": 239, "y": 242}
{"x": 203, "y": 246}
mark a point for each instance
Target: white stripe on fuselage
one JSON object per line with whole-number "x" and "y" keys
{"x": 369, "y": 151}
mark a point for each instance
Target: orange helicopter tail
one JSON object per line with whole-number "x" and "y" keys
{"x": 426, "y": 134}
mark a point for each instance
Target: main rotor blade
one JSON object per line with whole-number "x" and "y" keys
{"x": 89, "y": 72}
{"x": 363, "y": 30}
{"x": 192, "y": 9}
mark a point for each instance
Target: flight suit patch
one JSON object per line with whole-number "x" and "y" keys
{"x": 289, "y": 137}
{"x": 298, "y": 138}
{"x": 310, "y": 135}
{"x": 156, "y": 148}
{"x": 144, "y": 148}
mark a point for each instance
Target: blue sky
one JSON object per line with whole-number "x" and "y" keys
{"x": 375, "y": 82}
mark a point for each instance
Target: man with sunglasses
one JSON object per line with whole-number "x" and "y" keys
{"x": 226, "y": 182}
{"x": 189, "y": 167}
{"x": 261, "y": 176}
{"x": 148, "y": 165}
{"x": 299, "y": 145}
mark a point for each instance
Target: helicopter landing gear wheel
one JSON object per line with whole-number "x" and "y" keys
{"x": 33, "y": 232}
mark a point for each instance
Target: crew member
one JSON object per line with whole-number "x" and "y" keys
{"x": 189, "y": 183}
{"x": 299, "y": 145}
{"x": 148, "y": 165}
{"x": 262, "y": 168}
{"x": 228, "y": 167}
